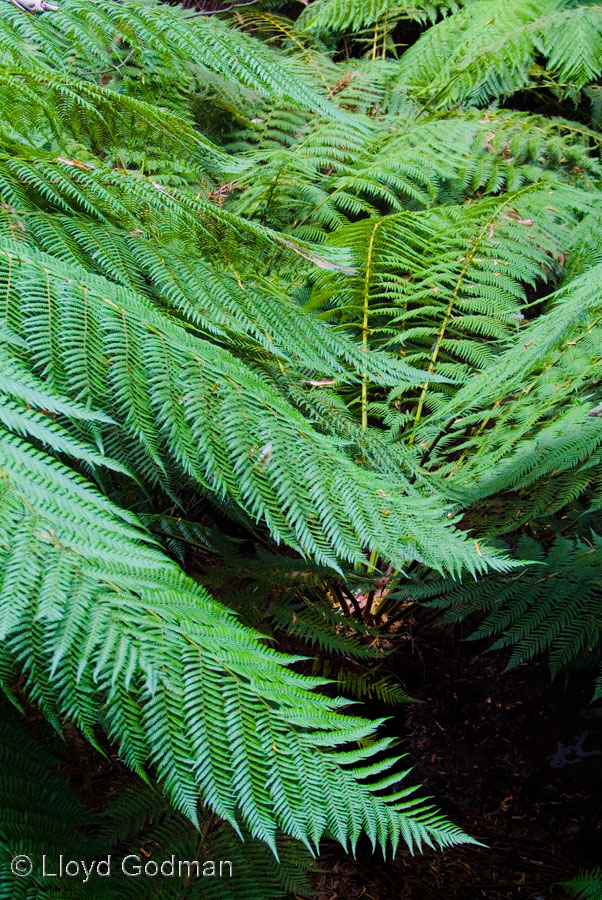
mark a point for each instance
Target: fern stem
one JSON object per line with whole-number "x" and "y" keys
{"x": 380, "y": 606}
{"x": 368, "y": 606}
{"x": 387, "y": 26}
{"x": 365, "y": 319}
{"x": 375, "y": 42}
{"x": 353, "y": 600}
{"x": 340, "y": 599}
{"x": 447, "y": 316}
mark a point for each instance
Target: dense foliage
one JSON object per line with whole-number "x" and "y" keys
{"x": 306, "y": 314}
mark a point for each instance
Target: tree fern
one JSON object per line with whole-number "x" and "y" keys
{"x": 107, "y": 631}
{"x": 289, "y": 317}
{"x": 523, "y": 452}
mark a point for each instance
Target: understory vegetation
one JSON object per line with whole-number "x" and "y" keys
{"x": 300, "y": 331}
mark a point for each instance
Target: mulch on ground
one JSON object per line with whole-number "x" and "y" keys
{"x": 511, "y": 758}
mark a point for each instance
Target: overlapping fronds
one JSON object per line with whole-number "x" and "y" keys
{"x": 192, "y": 408}
{"x": 321, "y": 625}
{"x": 445, "y": 288}
{"x": 261, "y": 300}
{"x": 106, "y": 631}
{"x": 311, "y": 180}
{"x": 44, "y": 819}
{"x": 354, "y": 15}
{"x": 160, "y": 42}
{"x": 489, "y": 50}
{"x": 366, "y": 172}
{"x": 521, "y": 442}
{"x": 527, "y": 428}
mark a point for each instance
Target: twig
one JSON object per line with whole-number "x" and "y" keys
{"x": 354, "y": 603}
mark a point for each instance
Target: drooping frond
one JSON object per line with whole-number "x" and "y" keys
{"x": 354, "y": 15}
{"x": 528, "y": 424}
{"x": 192, "y": 408}
{"x": 43, "y": 819}
{"x": 104, "y": 630}
{"x": 97, "y": 41}
{"x": 290, "y": 312}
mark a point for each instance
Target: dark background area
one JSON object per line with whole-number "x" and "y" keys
{"x": 510, "y": 757}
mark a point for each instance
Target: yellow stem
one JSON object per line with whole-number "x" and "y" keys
{"x": 375, "y": 42}
{"x": 365, "y": 329}
{"x": 450, "y": 306}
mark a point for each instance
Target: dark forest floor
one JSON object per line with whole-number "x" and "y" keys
{"x": 511, "y": 758}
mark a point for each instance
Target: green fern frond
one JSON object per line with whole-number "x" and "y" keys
{"x": 354, "y": 15}
{"x": 445, "y": 287}
{"x": 587, "y": 886}
{"x": 106, "y": 631}
{"x": 97, "y": 41}
{"x": 368, "y": 686}
{"x": 529, "y": 413}
{"x": 160, "y": 384}
{"x": 487, "y": 50}
{"x": 43, "y": 817}
{"x": 319, "y": 625}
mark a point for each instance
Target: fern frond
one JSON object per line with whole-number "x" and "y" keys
{"x": 319, "y": 625}
{"x": 354, "y": 15}
{"x": 43, "y": 817}
{"x": 553, "y": 605}
{"x": 194, "y": 409}
{"x": 159, "y": 39}
{"x": 487, "y": 50}
{"x": 529, "y": 412}
{"x": 435, "y": 285}
{"x": 586, "y": 886}
{"x": 368, "y": 686}
{"x": 106, "y": 631}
